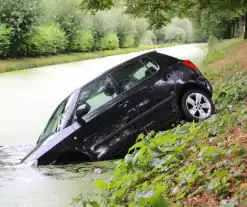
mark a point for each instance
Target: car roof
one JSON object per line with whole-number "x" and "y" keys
{"x": 119, "y": 66}
{"x": 126, "y": 63}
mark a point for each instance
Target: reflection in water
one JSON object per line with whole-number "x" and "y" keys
{"x": 27, "y": 99}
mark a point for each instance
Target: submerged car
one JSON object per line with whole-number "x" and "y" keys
{"x": 102, "y": 119}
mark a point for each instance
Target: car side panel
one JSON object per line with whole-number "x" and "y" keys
{"x": 186, "y": 76}
{"x": 104, "y": 129}
{"x": 154, "y": 101}
{"x": 154, "y": 98}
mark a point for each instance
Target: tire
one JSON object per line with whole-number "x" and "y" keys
{"x": 196, "y": 105}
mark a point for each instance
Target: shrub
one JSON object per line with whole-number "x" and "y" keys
{"x": 175, "y": 34}
{"x": 149, "y": 37}
{"x": 199, "y": 37}
{"x": 69, "y": 17}
{"x": 141, "y": 27}
{"x": 83, "y": 41}
{"x": 123, "y": 26}
{"x": 47, "y": 40}
{"x": 103, "y": 24}
{"x": 161, "y": 35}
{"x": 108, "y": 42}
{"x": 212, "y": 42}
{"x": 186, "y": 26}
{"x": 128, "y": 41}
{"x": 21, "y": 16}
{"x": 5, "y": 37}
{"x": 180, "y": 30}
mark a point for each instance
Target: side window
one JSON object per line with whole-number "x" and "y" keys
{"x": 134, "y": 73}
{"x": 152, "y": 66}
{"x": 97, "y": 93}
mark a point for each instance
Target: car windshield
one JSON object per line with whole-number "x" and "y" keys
{"x": 57, "y": 120}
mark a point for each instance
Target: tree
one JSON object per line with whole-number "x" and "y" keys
{"x": 96, "y": 5}
{"x": 210, "y": 14}
{"x": 20, "y": 16}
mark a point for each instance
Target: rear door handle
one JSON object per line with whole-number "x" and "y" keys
{"x": 124, "y": 104}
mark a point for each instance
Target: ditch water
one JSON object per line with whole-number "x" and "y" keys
{"x": 27, "y": 99}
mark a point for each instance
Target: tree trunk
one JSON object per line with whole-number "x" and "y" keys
{"x": 236, "y": 32}
{"x": 245, "y": 34}
{"x": 228, "y": 33}
{"x": 233, "y": 29}
{"x": 117, "y": 4}
{"x": 241, "y": 26}
{"x": 238, "y": 26}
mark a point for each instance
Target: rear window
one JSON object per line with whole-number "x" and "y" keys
{"x": 134, "y": 73}
{"x": 150, "y": 64}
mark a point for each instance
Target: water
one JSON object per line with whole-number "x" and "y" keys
{"x": 27, "y": 99}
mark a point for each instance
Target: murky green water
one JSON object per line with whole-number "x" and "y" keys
{"x": 27, "y": 98}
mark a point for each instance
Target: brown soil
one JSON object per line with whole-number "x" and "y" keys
{"x": 241, "y": 56}
{"x": 236, "y": 136}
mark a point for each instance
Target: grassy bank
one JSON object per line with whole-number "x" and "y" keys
{"x": 194, "y": 164}
{"x": 222, "y": 50}
{"x": 26, "y": 63}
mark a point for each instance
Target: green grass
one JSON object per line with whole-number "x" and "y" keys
{"x": 222, "y": 50}
{"x": 29, "y": 62}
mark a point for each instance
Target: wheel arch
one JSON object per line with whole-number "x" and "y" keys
{"x": 189, "y": 86}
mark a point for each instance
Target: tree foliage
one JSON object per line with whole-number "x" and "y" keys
{"x": 46, "y": 40}
{"x": 20, "y": 16}
{"x": 212, "y": 17}
{"x": 83, "y": 41}
{"x": 5, "y": 41}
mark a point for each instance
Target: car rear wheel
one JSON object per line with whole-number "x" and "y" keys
{"x": 196, "y": 105}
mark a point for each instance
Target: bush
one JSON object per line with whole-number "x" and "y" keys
{"x": 69, "y": 17}
{"x": 108, "y": 42}
{"x": 128, "y": 41}
{"x": 198, "y": 37}
{"x": 141, "y": 27}
{"x": 5, "y": 37}
{"x": 212, "y": 42}
{"x": 161, "y": 35}
{"x": 175, "y": 34}
{"x": 179, "y": 30}
{"x": 123, "y": 26}
{"x": 82, "y": 42}
{"x": 149, "y": 38}
{"x": 186, "y": 26}
{"x": 47, "y": 40}
{"x": 103, "y": 24}
{"x": 21, "y": 16}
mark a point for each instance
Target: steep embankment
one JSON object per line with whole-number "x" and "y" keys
{"x": 195, "y": 164}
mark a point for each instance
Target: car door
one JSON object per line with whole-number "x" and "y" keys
{"x": 151, "y": 91}
{"x": 108, "y": 123}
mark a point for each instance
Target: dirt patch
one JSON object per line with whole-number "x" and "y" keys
{"x": 236, "y": 136}
{"x": 241, "y": 56}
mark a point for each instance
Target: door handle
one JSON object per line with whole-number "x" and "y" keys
{"x": 123, "y": 105}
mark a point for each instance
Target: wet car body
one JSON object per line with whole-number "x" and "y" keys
{"x": 151, "y": 101}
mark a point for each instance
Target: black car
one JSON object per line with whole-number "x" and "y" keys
{"x": 102, "y": 119}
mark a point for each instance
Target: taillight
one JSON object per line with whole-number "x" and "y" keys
{"x": 189, "y": 64}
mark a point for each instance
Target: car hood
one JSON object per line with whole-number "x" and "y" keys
{"x": 46, "y": 145}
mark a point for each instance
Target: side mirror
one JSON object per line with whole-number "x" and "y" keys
{"x": 82, "y": 110}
